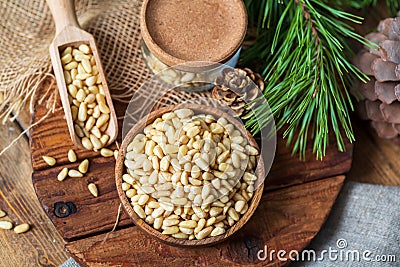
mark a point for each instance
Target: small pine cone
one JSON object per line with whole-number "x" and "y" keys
{"x": 381, "y": 94}
{"x": 237, "y": 88}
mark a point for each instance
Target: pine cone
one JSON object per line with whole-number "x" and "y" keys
{"x": 381, "y": 94}
{"x": 237, "y": 88}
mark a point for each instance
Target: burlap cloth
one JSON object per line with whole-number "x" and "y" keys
{"x": 27, "y": 29}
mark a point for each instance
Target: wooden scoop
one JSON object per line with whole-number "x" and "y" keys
{"x": 69, "y": 33}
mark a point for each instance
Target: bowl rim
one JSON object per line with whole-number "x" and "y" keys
{"x": 120, "y": 170}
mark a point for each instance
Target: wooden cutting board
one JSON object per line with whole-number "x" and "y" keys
{"x": 297, "y": 199}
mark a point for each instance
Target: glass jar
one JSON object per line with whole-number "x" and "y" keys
{"x": 183, "y": 40}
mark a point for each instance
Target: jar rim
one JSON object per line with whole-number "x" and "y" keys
{"x": 168, "y": 32}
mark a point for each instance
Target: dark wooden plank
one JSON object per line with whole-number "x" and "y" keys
{"x": 288, "y": 169}
{"x": 93, "y": 215}
{"x": 42, "y": 245}
{"x": 286, "y": 219}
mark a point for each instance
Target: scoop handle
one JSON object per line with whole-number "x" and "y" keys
{"x": 64, "y": 14}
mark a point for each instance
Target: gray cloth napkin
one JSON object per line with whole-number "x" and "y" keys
{"x": 364, "y": 222}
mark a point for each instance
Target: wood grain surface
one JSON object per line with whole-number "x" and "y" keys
{"x": 288, "y": 169}
{"x": 376, "y": 160}
{"x": 42, "y": 245}
{"x": 282, "y": 221}
{"x": 84, "y": 217}
{"x": 93, "y": 215}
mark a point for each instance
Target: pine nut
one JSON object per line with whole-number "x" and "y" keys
{"x": 49, "y": 160}
{"x": 233, "y": 214}
{"x": 166, "y": 206}
{"x": 87, "y": 143}
{"x": 202, "y": 164}
{"x": 157, "y": 212}
{"x": 193, "y": 131}
{"x": 95, "y": 141}
{"x": 214, "y": 211}
{"x": 72, "y": 90}
{"x": 66, "y": 59}
{"x": 139, "y": 211}
{"x": 164, "y": 163}
{"x": 21, "y": 228}
{"x": 6, "y": 225}
{"x": 104, "y": 139}
{"x": 171, "y": 230}
{"x": 235, "y": 160}
{"x": 187, "y": 231}
{"x": 102, "y": 120}
{"x": 86, "y": 65}
{"x": 158, "y": 223}
{"x": 204, "y": 233}
{"x": 74, "y": 174}
{"x": 125, "y": 186}
{"x": 80, "y": 95}
{"x": 239, "y": 205}
{"x": 62, "y": 174}
{"x": 71, "y": 155}
{"x": 105, "y": 152}
{"x": 93, "y": 189}
{"x": 83, "y": 166}
{"x": 170, "y": 222}
{"x": 149, "y": 219}
{"x": 217, "y": 231}
{"x": 71, "y": 65}
{"x": 128, "y": 179}
{"x": 78, "y": 129}
{"x": 252, "y": 151}
{"x": 82, "y": 113}
{"x": 84, "y": 48}
{"x": 2, "y": 214}
{"x": 143, "y": 199}
{"x": 179, "y": 201}
{"x": 183, "y": 113}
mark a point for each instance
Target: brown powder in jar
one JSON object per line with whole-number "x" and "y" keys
{"x": 193, "y": 30}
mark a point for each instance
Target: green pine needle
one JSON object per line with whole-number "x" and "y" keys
{"x": 304, "y": 47}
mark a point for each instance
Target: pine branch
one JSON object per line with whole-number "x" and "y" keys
{"x": 306, "y": 68}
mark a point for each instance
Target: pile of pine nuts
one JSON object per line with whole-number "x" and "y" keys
{"x": 89, "y": 109}
{"x": 190, "y": 176}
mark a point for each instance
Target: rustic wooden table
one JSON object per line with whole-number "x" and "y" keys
{"x": 375, "y": 161}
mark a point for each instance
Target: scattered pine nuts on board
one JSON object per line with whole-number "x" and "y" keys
{"x": 82, "y": 168}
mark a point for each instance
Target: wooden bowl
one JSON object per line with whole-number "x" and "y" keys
{"x": 120, "y": 170}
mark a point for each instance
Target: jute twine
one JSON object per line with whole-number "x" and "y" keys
{"x": 27, "y": 29}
